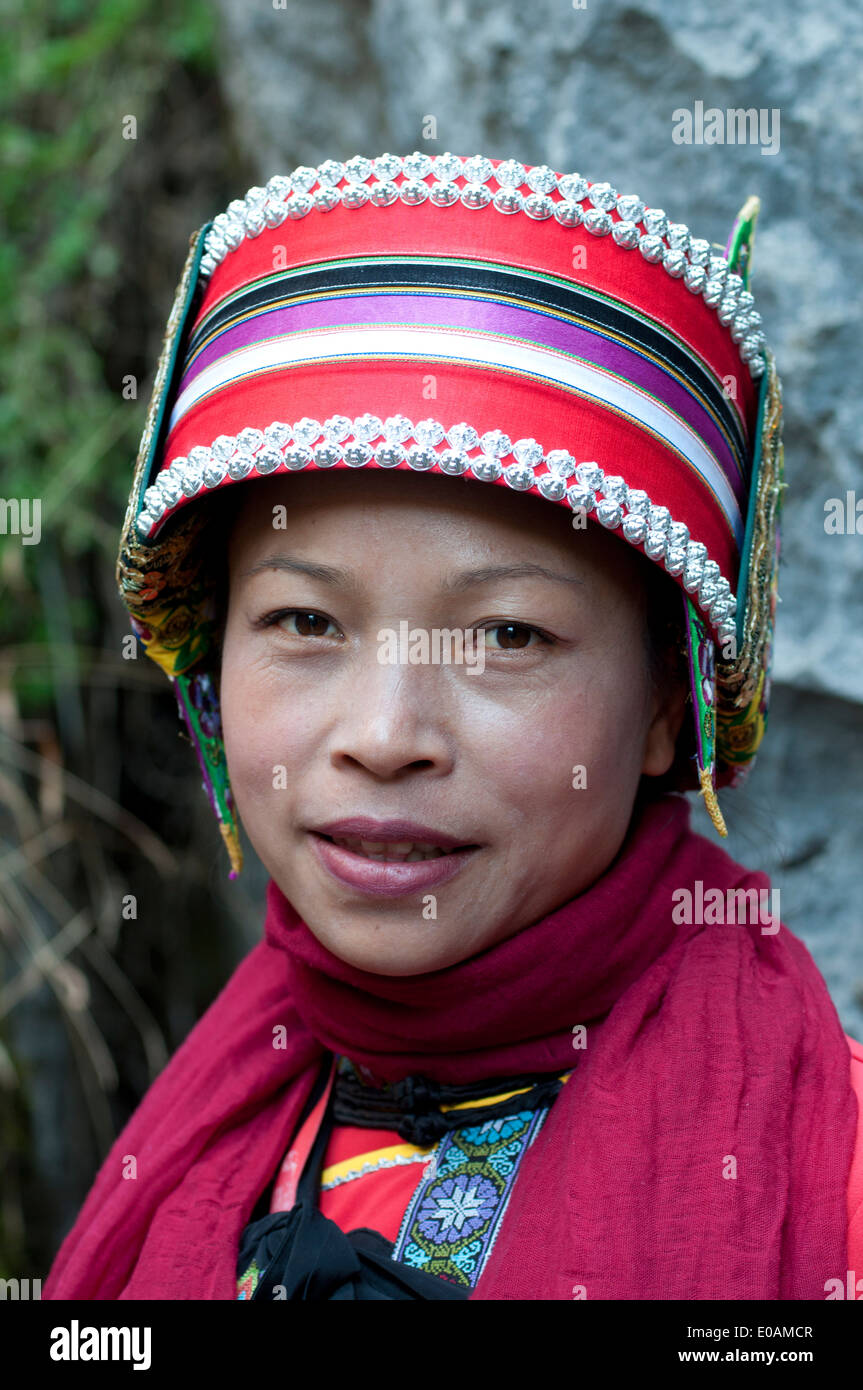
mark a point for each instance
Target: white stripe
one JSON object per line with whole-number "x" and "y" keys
{"x": 558, "y": 367}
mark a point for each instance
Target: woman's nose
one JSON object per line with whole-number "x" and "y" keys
{"x": 395, "y": 718}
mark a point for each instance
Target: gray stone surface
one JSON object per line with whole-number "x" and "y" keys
{"x": 594, "y": 89}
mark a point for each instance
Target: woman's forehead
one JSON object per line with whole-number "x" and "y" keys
{"x": 378, "y": 518}
{"x": 415, "y": 501}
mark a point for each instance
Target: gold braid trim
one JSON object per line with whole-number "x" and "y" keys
{"x": 129, "y": 541}
{"x": 739, "y": 680}
{"x": 706, "y": 783}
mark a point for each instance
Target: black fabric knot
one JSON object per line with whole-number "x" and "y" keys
{"x": 417, "y": 1095}
{"x": 423, "y": 1130}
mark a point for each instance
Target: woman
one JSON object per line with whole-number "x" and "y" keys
{"x": 514, "y": 1030}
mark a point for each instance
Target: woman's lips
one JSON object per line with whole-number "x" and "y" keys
{"x": 386, "y": 878}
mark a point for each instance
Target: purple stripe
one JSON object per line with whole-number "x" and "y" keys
{"x": 527, "y": 325}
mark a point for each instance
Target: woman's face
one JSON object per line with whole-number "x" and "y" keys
{"x": 527, "y": 754}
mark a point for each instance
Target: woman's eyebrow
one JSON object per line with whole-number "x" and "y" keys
{"x": 484, "y": 574}
{"x": 327, "y": 574}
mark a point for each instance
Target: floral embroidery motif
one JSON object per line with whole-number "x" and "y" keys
{"x": 454, "y": 1216}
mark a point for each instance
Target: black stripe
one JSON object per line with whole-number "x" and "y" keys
{"x": 494, "y": 283}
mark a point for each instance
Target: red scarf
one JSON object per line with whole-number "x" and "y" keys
{"x": 701, "y": 1149}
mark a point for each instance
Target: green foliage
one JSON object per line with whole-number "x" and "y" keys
{"x": 70, "y": 75}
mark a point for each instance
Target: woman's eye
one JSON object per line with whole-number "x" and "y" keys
{"x": 300, "y": 622}
{"x": 513, "y": 636}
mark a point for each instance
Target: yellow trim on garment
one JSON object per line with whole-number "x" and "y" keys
{"x": 393, "y": 1151}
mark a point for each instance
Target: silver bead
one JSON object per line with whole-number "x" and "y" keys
{"x": 476, "y": 195}
{"x": 675, "y": 559}
{"x": 154, "y": 501}
{"x": 413, "y": 192}
{"x": 367, "y": 427}
{"x": 519, "y": 476}
{"x": 337, "y": 428}
{"x": 580, "y": 497}
{"x": 389, "y": 455}
{"x": 510, "y": 173}
{"x": 654, "y": 546}
{"x": 713, "y": 290}
{"x": 387, "y": 166}
{"x": 421, "y": 458}
{"x": 495, "y": 443}
{"x": 677, "y": 236}
{"x": 277, "y": 434}
{"x": 428, "y": 433}
{"x": 655, "y": 221}
{"x": 659, "y": 518}
{"x": 572, "y": 187}
{"x": 250, "y": 439}
{"x": 306, "y": 431}
{"x": 678, "y": 534}
{"x": 299, "y": 204}
{"x": 192, "y": 480}
{"x": 462, "y": 436}
{"x": 145, "y": 523}
{"x": 528, "y": 452}
{"x": 304, "y": 178}
{"x": 626, "y": 234}
{"x": 446, "y": 167}
{"x": 214, "y": 472}
{"x": 560, "y": 462}
{"x": 357, "y": 455}
{"x": 637, "y": 501}
{"x": 268, "y": 459}
{"x": 417, "y": 165}
{"x": 330, "y": 173}
{"x": 328, "y": 455}
{"x": 443, "y": 195}
{"x": 695, "y": 278}
{"x": 453, "y": 461}
{"x": 538, "y": 206}
{"x": 651, "y": 247}
{"x": 609, "y": 513}
{"x": 552, "y": 486}
{"x": 635, "y": 528}
{"x": 477, "y": 169}
{"x": 590, "y": 475}
{"x": 487, "y": 469}
{"x": 568, "y": 214}
{"x": 541, "y": 179}
{"x": 355, "y": 195}
{"x": 383, "y": 194}
{"x": 675, "y": 263}
{"x": 397, "y": 428}
{"x": 631, "y": 209}
{"x": 597, "y": 222}
{"x": 614, "y": 487}
{"x": 325, "y": 199}
{"x": 508, "y": 200}
{"x": 699, "y": 252}
{"x": 241, "y": 465}
{"x": 297, "y": 456}
{"x": 221, "y": 449}
{"x": 603, "y": 196}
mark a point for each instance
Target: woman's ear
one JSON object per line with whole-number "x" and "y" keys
{"x": 669, "y": 703}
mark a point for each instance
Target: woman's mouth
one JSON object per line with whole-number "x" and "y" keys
{"x": 388, "y": 868}
{"x": 405, "y": 852}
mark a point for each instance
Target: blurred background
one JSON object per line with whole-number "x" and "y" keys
{"x": 118, "y": 925}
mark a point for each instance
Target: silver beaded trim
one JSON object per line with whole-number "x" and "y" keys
{"x": 455, "y": 451}
{"x": 511, "y": 188}
{"x": 395, "y": 1161}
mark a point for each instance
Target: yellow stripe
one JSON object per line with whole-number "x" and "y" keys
{"x": 337, "y": 1170}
